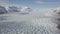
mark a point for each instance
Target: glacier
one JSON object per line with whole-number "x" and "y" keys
{"x": 33, "y": 23}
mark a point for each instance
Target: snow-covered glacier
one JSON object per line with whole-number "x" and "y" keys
{"x": 33, "y": 23}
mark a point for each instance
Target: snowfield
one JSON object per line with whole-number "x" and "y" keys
{"x": 33, "y": 23}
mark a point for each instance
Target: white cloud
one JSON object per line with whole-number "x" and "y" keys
{"x": 44, "y": 2}
{"x": 4, "y": 3}
{"x": 39, "y": 2}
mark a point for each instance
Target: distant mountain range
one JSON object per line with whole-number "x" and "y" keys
{"x": 12, "y": 9}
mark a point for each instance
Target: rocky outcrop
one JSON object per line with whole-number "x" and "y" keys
{"x": 56, "y": 14}
{"x": 13, "y": 9}
{"x": 2, "y": 10}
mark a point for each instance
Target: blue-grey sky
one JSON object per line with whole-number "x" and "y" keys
{"x": 37, "y": 3}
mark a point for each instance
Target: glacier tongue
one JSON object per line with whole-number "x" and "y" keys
{"x": 17, "y": 24}
{"x": 24, "y": 28}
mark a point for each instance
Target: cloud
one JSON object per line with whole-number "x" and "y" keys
{"x": 6, "y": 3}
{"x": 47, "y": 2}
{"x": 39, "y": 2}
{"x": 3, "y": 2}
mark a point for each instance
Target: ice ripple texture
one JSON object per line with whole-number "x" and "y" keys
{"x": 23, "y": 28}
{"x": 34, "y": 26}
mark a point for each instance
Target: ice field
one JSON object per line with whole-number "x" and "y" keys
{"x": 33, "y": 23}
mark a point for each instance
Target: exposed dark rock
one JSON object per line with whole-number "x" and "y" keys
{"x": 2, "y": 10}
{"x": 58, "y": 12}
{"x": 58, "y": 26}
{"x": 58, "y": 19}
{"x": 13, "y": 9}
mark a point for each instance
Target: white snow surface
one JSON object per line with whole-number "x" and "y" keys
{"x": 33, "y": 23}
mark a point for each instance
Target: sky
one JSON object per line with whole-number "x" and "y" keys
{"x": 33, "y": 3}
